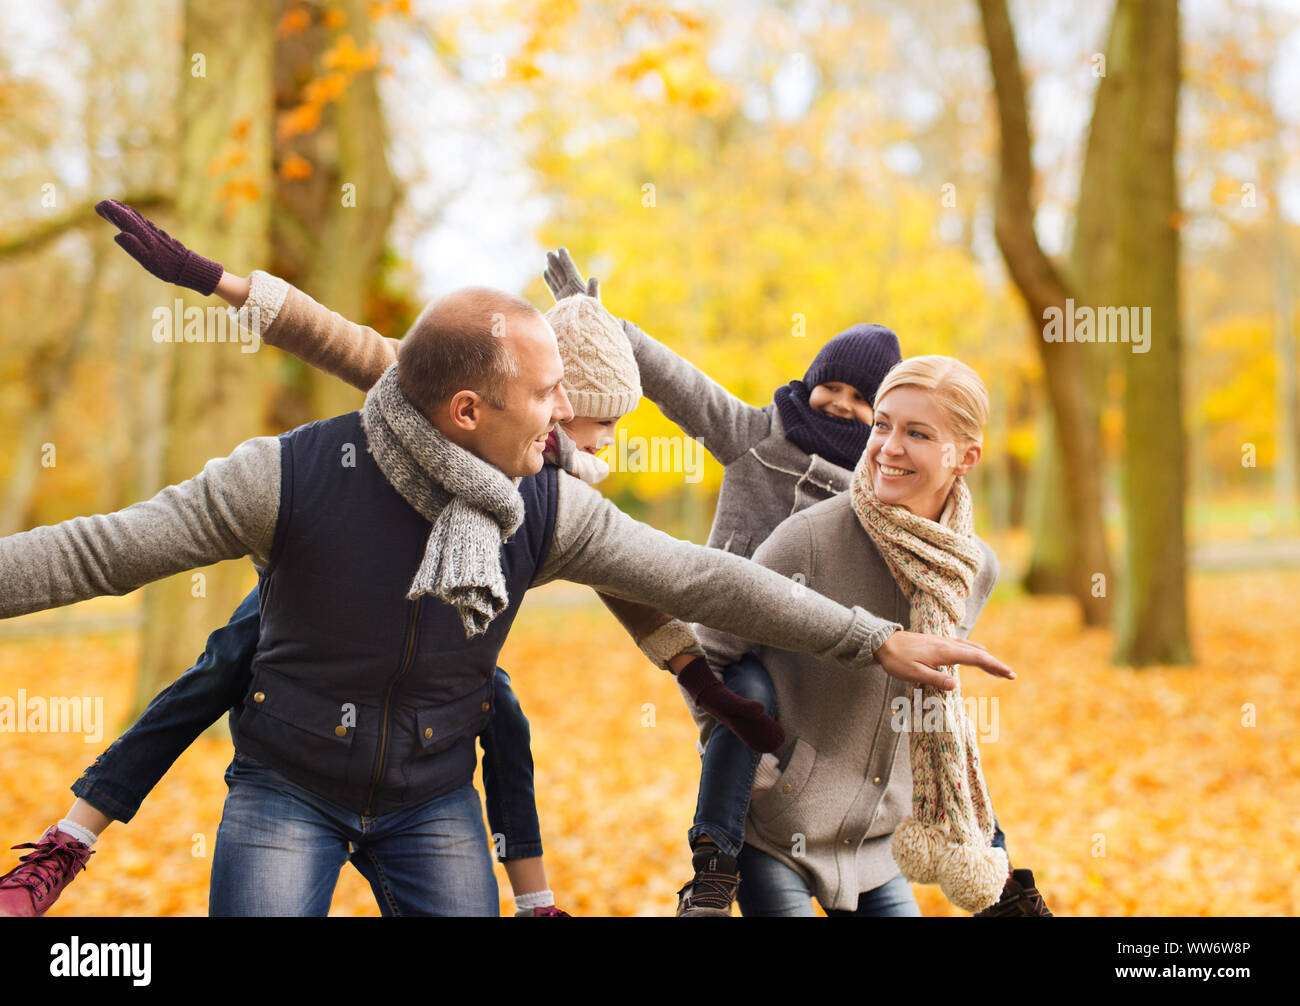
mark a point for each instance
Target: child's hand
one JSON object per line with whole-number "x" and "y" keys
{"x": 159, "y": 252}
{"x": 743, "y": 717}
{"x": 564, "y": 280}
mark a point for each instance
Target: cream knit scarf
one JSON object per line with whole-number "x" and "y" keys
{"x": 947, "y": 839}
{"x": 471, "y": 504}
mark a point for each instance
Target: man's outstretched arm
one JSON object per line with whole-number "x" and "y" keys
{"x": 597, "y": 544}
{"x": 226, "y": 511}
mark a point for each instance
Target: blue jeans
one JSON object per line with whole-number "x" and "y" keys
{"x": 727, "y": 774}
{"x": 280, "y": 848}
{"x": 769, "y": 888}
{"x": 119, "y": 780}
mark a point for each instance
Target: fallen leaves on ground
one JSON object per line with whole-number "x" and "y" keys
{"x": 1127, "y": 792}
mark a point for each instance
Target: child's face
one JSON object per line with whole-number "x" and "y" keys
{"x": 835, "y": 398}
{"x": 591, "y": 435}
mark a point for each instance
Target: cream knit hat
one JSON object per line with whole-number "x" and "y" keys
{"x": 600, "y": 373}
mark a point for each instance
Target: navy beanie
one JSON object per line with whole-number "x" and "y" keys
{"x": 860, "y": 356}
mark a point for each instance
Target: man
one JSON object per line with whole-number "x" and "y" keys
{"x": 394, "y": 546}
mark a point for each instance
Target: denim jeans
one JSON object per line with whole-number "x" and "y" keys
{"x": 727, "y": 774}
{"x": 769, "y": 888}
{"x": 119, "y": 780}
{"x": 280, "y": 848}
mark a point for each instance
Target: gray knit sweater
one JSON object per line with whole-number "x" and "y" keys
{"x": 846, "y": 779}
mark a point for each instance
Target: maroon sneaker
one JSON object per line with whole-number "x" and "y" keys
{"x": 549, "y": 912}
{"x": 29, "y": 889}
{"x": 1020, "y": 899}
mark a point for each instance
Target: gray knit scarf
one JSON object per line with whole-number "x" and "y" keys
{"x": 473, "y": 506}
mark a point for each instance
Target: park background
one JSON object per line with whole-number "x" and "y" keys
{"x": 746, "y": 180}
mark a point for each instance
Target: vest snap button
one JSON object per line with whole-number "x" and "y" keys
{"x": 786, "y": 788}
{"x": 428, "y": 732}
{"x": 259, "y": 697}
{"x": 486, "y": 706}
{"x": 340, "y": 731}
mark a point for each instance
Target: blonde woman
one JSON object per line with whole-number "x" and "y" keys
{"x": 823, "y": 828}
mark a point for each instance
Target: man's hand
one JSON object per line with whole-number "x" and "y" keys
{"x": 743, "y": 717}
{"x": 913, "y": 656}
{"x": 564, "y": 280}
{"x": 159, "y": 252}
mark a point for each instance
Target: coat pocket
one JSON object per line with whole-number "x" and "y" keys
{"x": 769, "y": 804}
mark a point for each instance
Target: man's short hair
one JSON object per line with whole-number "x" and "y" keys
{"x": 456, "y": 344}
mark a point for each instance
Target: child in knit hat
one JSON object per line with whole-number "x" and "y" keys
{"x": 777, "y": 460}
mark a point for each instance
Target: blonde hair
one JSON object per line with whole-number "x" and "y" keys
{"x": 958, "y": 389}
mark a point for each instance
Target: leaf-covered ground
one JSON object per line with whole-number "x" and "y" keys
{"x": 1127, "y": 792}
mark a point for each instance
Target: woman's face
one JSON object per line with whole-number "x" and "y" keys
{"x": 911, "y": 456}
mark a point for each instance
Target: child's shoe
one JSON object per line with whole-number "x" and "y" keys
{"x": 1020, "y": 899}
{"x": 29, "y": 889}
{"x": 549, "y": 912}
{"x": 711, "y": 892}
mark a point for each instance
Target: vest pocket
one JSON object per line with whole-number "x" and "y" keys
{"x": 310, "y": 732}
{"x": 438, "y": 727}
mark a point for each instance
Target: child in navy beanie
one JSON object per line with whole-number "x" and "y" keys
{"x": 858, "y": 357}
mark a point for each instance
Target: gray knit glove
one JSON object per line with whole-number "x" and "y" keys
{"x": 564, "y": 280}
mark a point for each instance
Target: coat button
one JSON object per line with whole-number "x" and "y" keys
{"x": 259, "y": 696}
{"x": 428, "y": 732}
{"x": 340, "y": 731}
{"x": 876, "y": 780}
{"x": 848, "y": 841}
{"x": 786, "y": 788}
{"x": 486, "y": 706}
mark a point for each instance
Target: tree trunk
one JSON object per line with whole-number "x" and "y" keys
{"x": 215, "y": 399}
{"x": 1042, "y": 288}
{"x": 325, "y": 243}
{"x": 1153, "y": 610}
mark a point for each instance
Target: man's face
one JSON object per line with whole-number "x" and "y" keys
{"x": 513, "y": 438}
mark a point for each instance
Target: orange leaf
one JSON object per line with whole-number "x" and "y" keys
{"x": 295, "y": 167}
{"x": 292, "y": 22}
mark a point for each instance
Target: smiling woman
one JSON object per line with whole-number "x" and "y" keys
{"x": 833, "y": 821}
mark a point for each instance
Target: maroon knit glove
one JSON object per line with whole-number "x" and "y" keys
{"x": 158, "y": 251}
{"x": 743, "y": 717}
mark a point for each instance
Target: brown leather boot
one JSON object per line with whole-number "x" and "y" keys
{"x": 1020, "y": 899}
{"x": 713, "y": 889}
